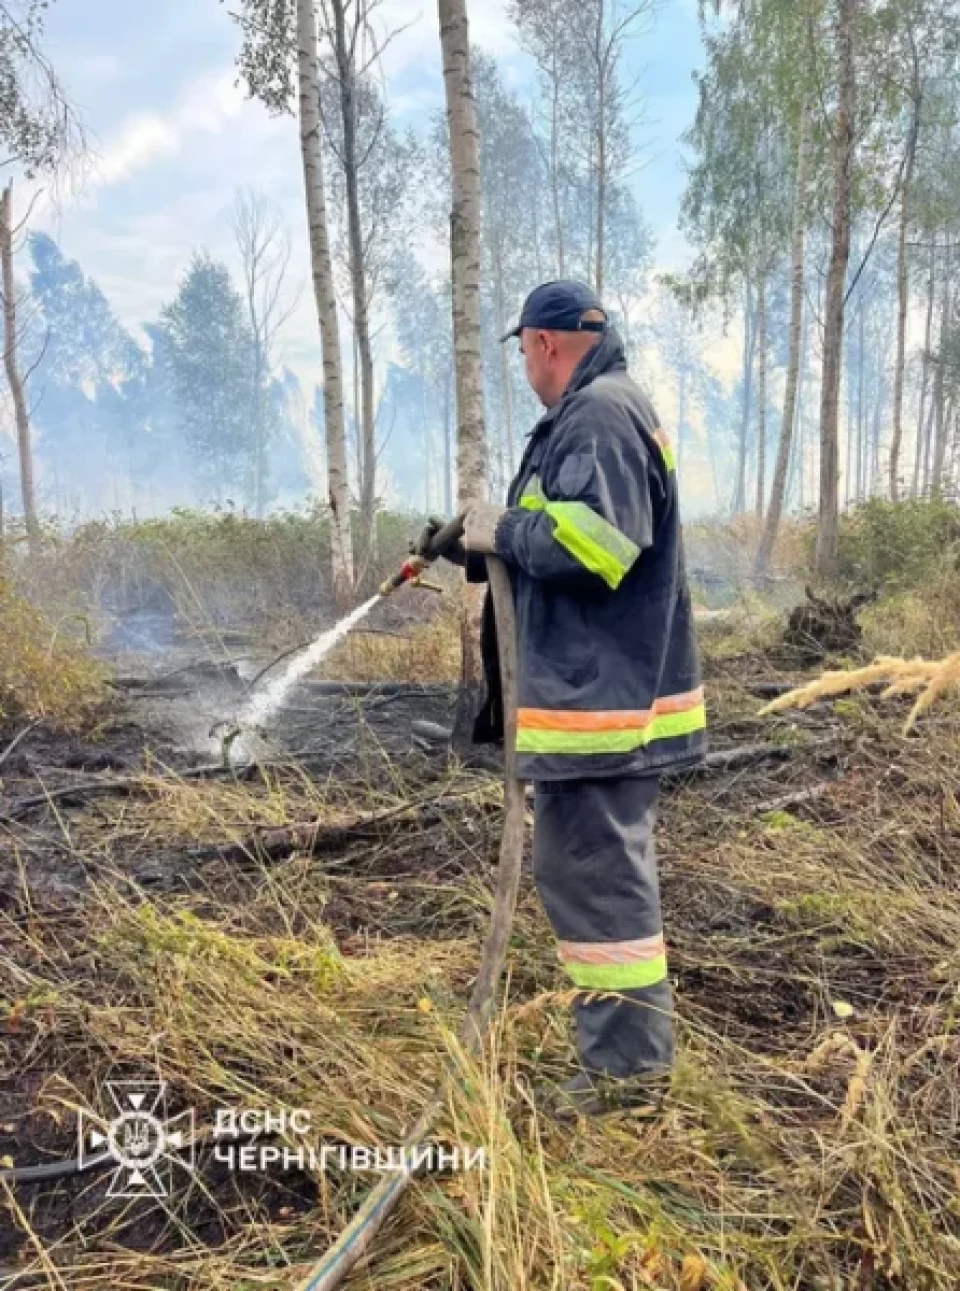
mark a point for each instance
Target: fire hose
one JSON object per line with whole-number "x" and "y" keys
{"x": 359, "y": 1234}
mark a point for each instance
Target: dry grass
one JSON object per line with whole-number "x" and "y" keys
{"x": 44, "y": 672}
{"x": 427, "y": 652}
{"x": 813, "y": 1136}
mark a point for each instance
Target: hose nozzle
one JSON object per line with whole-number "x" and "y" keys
{"x": 407, "y": 573}
{"x": 410, "y": 572}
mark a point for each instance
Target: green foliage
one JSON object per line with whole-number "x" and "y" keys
{"x": 38, "y": 127}
{"x": 212, "y": 364}
{"x": 897, "y": 545}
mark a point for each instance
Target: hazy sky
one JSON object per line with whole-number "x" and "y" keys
{"x": 174, "y": 137}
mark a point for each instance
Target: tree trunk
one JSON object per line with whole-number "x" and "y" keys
{"x": 555, "y": 168}
{"x": 845, "y": 140}
{"x": 781, "y": 470}
{"x": 861, "y": 402}
{"x": 12, "y": 367}
{"x": 465, "y": 267}
{"x": 925, "y": 372}
{"x": 259, "y": 429}
{"x": 345, "y": 55}
{"x": 601, "y": 110}
{"x": 903, "y": 302}
{"x": 939, "y": 385}
{"x": 878, "y": 409}
{"x": 465, "y": 248}
{"x": 448, "y": 446}
{"x": 749, "y": 349}
{"x": 506, "y": 392}
{"x": 928, "y": 435}
{"x": 322, "y": 268}
{"x": 762, "y": 393}
{"x": 848, "y": 436}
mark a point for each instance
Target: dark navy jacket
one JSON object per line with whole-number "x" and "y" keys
{"x": 610, "y": 681}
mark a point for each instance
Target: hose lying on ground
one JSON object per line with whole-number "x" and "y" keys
{"x": 357, "y": 1237}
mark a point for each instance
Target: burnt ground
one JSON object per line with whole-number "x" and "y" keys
{"x": 759, "y": 961}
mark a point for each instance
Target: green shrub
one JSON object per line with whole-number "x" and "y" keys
{"x": 894, "y": 546}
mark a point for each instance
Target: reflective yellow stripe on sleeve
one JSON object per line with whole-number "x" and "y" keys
{"x": 592, "y": 541}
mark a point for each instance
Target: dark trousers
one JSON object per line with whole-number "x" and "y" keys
{"x": 596, "y": 872}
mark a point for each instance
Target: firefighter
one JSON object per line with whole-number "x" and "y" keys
{"x": 610, "y": 683}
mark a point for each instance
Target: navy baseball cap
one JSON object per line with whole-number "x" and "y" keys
{"x": 559, "y": 307}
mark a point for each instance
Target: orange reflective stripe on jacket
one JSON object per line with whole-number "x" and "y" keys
{"x": 544, "y": 730}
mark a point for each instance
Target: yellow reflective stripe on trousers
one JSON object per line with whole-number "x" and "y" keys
{"x": 667, "y": 726}
{"x": 598, "y": 545}
{"x": 618, "y": 977}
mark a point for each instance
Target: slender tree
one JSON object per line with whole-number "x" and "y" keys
{"x": 464, "y": 248}
{"x": 279, "y": 62}
{"x": 11, "y": 363}
{"x": 788, "y": 422}
{"x": 463, "y": 133}
{"x": 344, "y": 25}
{"x": 308, "y": 69}
{"x": 845, "y": 140}
{"x": 264, "y": 249}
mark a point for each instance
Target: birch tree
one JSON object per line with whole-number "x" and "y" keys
{"x": 280, "y": 64}
{"x": 40, "y": 132}
{"x": 845, "y": 140}
{"x": 373, "y": 172}
{"x": 308, "y": 70}
{"x": 464, "y": 136}
{"x": 11, "y": 363}
{"x": 345, "y": 26}
{"x": 788, "y": 421}
{"x": 592, "y": 107}
{"x": 464, "y": 139}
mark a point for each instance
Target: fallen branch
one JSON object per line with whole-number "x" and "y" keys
{"x": 790, "y": 801}
{"x": 746, "y": 755}
{"x": 314, "y": 836}
{"x": 142, "y": 782}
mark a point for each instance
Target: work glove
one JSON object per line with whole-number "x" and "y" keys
{"x": 480, "y": 530}
{"x": 456, "y": 553}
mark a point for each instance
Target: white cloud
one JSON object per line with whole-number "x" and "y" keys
{"x": 207, "y": 106}
{"x": 139, "y": 142}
